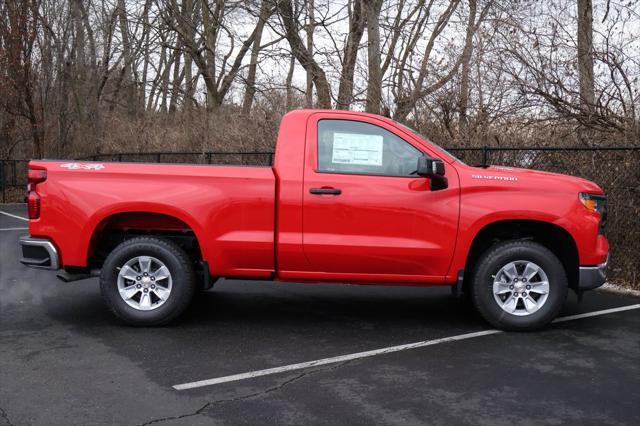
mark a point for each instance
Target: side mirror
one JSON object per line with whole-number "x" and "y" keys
{"x": 433, "y": 168}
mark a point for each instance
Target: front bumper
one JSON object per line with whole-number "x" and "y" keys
{"x": 39, "y": 253}
{"x": 593, "y": 276}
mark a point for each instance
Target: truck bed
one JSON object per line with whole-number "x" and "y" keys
{"x": 230, "y": 209}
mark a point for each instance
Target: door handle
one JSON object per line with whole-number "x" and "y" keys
{"x": 325, "y": 191}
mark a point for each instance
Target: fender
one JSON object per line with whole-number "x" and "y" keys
{"x": 467, "y": 233}
{"x": 103, "y": 214}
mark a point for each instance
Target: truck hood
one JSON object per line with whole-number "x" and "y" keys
{"x": 533, "y": 177}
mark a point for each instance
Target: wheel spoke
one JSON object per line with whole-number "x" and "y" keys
{"x": 510, "y": 304}
{"x": 500, "y": 287}
{"x": 530, "y": 305}
{"x": 541, "y": 287}
{"x": 145, "y": 263}
{"x": 129, "y": 292}
{"x": 128, "y": 272}
{"x": 161, "y": 273}
{"x": 145, "y": 301}
{"x": 510, "y": 271}
{"x": 530, "y": 270}
{"x": 161, "y": 292}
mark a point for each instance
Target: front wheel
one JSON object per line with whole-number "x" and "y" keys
{"x": 519, "y": 285}
{"x": 147, "y": 281}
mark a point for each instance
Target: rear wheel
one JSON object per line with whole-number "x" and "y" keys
{"x": 519, "y": 285}
{"x": 147, "y": 281}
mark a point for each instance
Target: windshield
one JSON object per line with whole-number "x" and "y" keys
{"x": 435, "y": 145}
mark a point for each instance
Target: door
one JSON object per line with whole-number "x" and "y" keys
{"x": 366, "y": 215}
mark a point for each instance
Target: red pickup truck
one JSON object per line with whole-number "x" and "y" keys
{"x": 351, "y": 198}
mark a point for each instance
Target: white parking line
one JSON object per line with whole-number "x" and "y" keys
{"x": 13, "y": 229}
{"x": 14, "y": 216}
{"x": 391, "y": 349}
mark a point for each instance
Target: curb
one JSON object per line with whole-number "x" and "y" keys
{"x": 614, "y": 288}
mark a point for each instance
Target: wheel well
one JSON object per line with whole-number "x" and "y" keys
{"x": 553, "y": 237}
{"x": 120, "y": 227}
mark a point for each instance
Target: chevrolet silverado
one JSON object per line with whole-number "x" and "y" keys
{"x": 350, "y": 198}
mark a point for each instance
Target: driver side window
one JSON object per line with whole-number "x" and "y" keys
{"x": 353, "y": 147}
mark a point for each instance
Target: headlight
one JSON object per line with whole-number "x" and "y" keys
{"x": 593, "y": 202}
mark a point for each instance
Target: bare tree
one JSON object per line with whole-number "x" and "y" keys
{"x": 218, "y": 76}
{"x": 18, "y": 30}
{"x": 303, "y": 55}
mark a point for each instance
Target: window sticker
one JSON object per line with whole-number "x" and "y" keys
{"x": 354, "y": 148}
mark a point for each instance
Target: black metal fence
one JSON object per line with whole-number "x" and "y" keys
{"x": 13, "y": 180}
{"x": 217, "y": 158}
{"x": 615, "y": 169}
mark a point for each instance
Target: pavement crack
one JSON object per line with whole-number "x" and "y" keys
{"x": 5, "y": 417}
{"x": 206, "y": 407}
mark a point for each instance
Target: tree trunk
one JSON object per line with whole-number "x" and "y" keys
{"x": 463, "y": 103}
{"x": 289, "y": 82}
{"x": 127, "y": 75}
{"x": 585, "y": 55}
{"x": 146, "y": 29}
{"x": 250, "y": 90}
{"x": 189, "y": 86}
{"x": 374, "y": 83}
{"x": 310, "y": 29}
{"x": 176, "y": 81}
{"x": 209, "y": 64}
{"x": 356, "y": 29}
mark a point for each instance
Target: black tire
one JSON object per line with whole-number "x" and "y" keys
{"x": 500, "y": 255}
{"x": 182, "y": 276}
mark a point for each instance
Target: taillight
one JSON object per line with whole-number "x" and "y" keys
{"x": 33, "y": 203}
{"x": 36, "y": 176}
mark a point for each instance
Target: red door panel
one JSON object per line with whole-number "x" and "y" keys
{"x": 379, "y": 227}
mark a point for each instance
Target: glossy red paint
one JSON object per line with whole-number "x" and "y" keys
{"x": 230, "y": 209}
{"x": 263, "y": 222}
{"x": 387, "y": 228}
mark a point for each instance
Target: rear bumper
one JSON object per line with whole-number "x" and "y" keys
{"x": 39, "y": 253}
{"x": 593, "y": 276}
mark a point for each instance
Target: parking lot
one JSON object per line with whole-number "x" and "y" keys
{"x": 65, "y": 360}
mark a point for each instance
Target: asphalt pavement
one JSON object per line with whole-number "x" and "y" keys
{"x": 65, "y": 360}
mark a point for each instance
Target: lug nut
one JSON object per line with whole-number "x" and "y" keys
{"x": 515, "y": 294}
{"x": 153, "y": 286}
{"x": 515, "y": 280}
{"x": 524, "y": 280}
{"x": 528, "y": 287}
{"x": 146, "y": 290}
{"x": 153, "y": 278}
{"x": 138, "y": 278}
{"x": 146, "y": 274}
{"x": 524, "y": 294}
{"x": 138, "y": 286}
{"x": 510, "y": 287}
